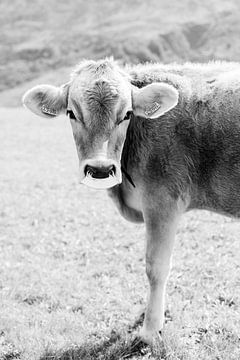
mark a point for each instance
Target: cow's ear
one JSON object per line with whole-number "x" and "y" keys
{"x": 154, "y": 100}
{"x": 46, "y": 100}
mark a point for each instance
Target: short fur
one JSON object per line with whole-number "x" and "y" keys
{"x": 195, "y": 147}
{"x": 188, "y": 158}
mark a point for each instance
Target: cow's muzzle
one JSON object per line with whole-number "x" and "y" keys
{"x": 100, "y": 174}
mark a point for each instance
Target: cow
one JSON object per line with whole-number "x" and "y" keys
{"x": 162, "y": 139}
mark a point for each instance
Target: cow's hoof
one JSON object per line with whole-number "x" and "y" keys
{"x": 150, "y": 337}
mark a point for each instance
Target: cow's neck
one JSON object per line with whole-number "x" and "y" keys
{"x": 135, "y": 148}
{"x": 126, "y": 195}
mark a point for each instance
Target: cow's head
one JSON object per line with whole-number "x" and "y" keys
{"x": 100, "y": 100}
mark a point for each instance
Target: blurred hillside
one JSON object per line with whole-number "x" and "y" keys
{"x": 39, "y": 37}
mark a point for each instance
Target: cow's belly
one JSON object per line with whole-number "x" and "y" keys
{"x": 222, "y": 198}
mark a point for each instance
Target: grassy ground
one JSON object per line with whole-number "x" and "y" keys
{"x": 72, "y": 279}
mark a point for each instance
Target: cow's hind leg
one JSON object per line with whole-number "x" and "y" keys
{"x": 161, "y": 228}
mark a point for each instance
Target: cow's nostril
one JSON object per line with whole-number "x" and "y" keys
{"x": 88, "y": 170}
{"x": 112, "y": 170}
{"x": 100, "y": 172}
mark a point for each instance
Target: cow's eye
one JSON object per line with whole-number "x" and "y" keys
{"x": 71, "y": 115}
{"x": 128, "y": 115}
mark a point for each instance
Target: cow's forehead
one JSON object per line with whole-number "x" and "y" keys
{"x": 99, "y": 82}
{"x": 94, "y": 90}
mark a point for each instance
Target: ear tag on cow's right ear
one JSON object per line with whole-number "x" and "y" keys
{"x": 48, "y": 111}
{"x": 152, "y": 109}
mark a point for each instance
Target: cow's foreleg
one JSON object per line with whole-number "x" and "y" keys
{"x": 161, "y": 229}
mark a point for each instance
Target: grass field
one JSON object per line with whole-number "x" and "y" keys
{"x": 72, "y": 278}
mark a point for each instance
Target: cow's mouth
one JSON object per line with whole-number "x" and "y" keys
{"x": 101, "y": 177}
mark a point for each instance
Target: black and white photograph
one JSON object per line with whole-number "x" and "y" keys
{"x": 119, "y": 180}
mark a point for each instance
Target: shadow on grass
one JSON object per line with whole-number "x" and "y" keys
{"x": 117, "y": 346}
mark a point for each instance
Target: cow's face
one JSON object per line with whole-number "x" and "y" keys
{"x": 100, "y": 101}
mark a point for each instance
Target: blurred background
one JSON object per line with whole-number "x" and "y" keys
{"x": 72, "y": 270}
{"x": 42, "y": 40}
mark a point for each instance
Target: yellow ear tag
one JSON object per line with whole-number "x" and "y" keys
{"x": 152, "y": 109}
{"x": 48, "y": 111}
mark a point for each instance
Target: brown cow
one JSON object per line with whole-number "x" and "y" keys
{"x": 162, "y": 138}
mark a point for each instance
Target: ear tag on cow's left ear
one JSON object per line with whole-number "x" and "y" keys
{"x": 48, "y": 111}
{"x": 152, "y": 109}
